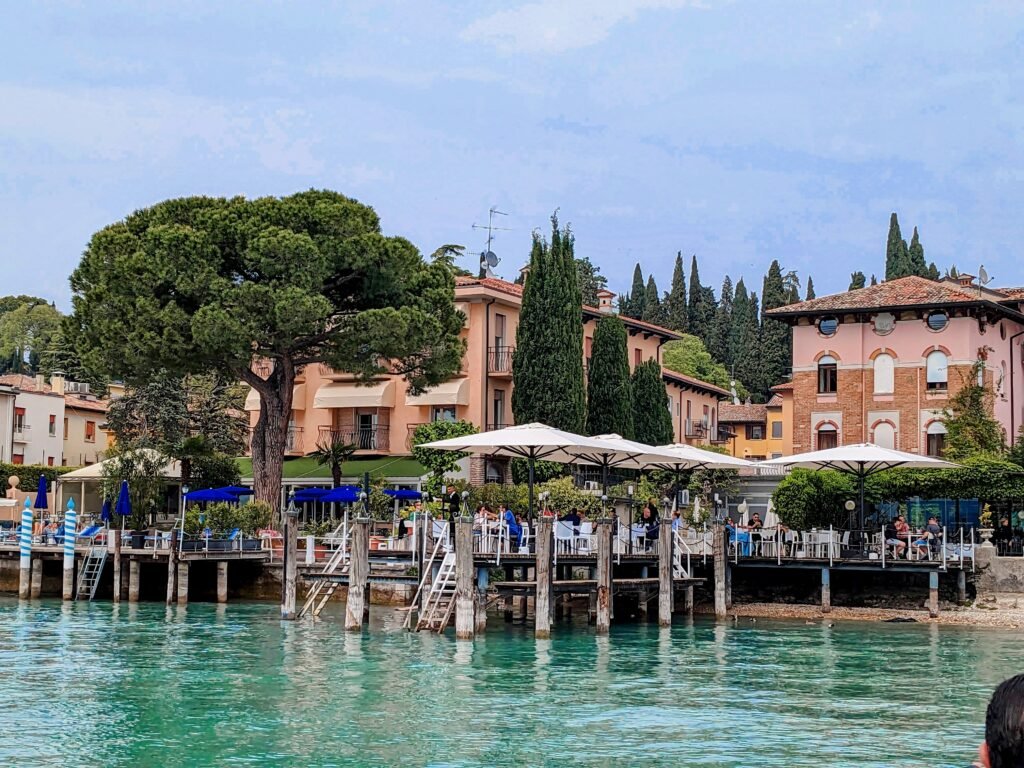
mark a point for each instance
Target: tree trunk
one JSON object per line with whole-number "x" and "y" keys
{"x": 336, "y": 474}
{"x": 270, "y": 435}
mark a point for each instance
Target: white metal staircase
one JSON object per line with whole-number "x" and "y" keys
{"x": 92, "y": 572}
{"x": 325, "y": 586}
{"x": 440, "y": 602}
{"x": 680, "y": 556}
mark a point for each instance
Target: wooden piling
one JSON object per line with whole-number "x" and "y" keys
{"x": 358, "y": 575}
{"x": 68, "y": 590}
{"x": 933, "y": 594}
{"x": 172, "y": 567}
{"x": 222, "y": 581}
{"x": 961, "y": 586}
{"x": 688, "y": 601}
{"x": 182, "y": 582}
{"x": 826, "y": 591}
{"x": 542, "y": 601}
{"x": 134, "y": 573}
{"x": 665, "y": 543}
{"x": 290, "y": 571}
{"x": 604, "y": 576}
{"x": 37, "y": 577}
{"x": 481, "y": 600}
{"x": 117, "y": 567}
{"x": 465, "y": 586}
{"x": 720, "y": 554}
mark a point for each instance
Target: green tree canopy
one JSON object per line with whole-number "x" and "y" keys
{"x": 689, "y": 357}
{"x": 609, "y": 404}
{"x": 810, "y": 289}
{"x": 970, "y": 427}
{"x": 547, "y": 365}
{"x": 675, "y": 303}
{"x": 440, "y": 463}
{"x": 718, "y": 339}
{"x": 776, "y": 349}
{"x": 857, "y": 280}
{"x": 915, "y": 255}
{"x": 591, "y": 281}
{"x": 636, "y": 303}
{"x": 653, "y": 310}
{"x": 652, "y": 422}
{"x": 202, "y": 284}
{"x": 897, "y": 258}
{"x": 27, "y": 332}
{"x": 701, "y": 304}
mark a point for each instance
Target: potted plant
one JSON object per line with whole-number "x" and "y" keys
{"x": 985, "y": 526}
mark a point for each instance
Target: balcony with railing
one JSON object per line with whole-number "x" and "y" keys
{"x": 499, "y": 360}
{"x": 293, "y": 443}
{"x": 376, "y": 439}
{"x": 21, "y": 432}
{"x": 722, "y": 435}
{"x": 696, "y": 429}
{"x": 491, "y": 426}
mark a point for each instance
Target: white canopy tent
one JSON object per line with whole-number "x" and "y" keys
{"x": 861, "y": 460}
{"x": 84, "y": 485}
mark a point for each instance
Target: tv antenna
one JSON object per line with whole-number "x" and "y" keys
{"x": 488, "y": 259}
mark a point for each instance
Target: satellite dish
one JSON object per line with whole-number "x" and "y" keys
{"x": 983, "y": 277}
{"x": 488, "y": 260}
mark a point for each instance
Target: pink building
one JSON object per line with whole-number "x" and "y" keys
{"x": 879, "y": 364}
{"x": 381, "y": 418}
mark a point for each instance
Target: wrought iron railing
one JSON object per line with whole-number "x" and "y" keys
{"x": 499, "y": 359}
{"x": 364, "y": 438}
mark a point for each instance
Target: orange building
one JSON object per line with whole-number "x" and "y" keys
{"x": 380, "y": 418}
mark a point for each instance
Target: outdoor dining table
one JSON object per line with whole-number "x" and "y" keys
{"x": 818, "y": 543}
{"x": 742, "y": 539}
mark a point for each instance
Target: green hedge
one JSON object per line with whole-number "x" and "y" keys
{"x": 28, "y": 474}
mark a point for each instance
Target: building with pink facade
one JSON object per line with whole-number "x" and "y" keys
{"x": 880, "y": 364}
{"x": 380, "y": 418}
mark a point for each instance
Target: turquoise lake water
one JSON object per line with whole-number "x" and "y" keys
{"x": 95, "y": 684}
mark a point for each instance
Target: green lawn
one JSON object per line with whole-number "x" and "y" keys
{"x": 306, "y": 467}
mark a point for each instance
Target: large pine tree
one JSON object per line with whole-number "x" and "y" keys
{"x": 652, "y": 422}
{"x": 897, "y": 256}
{"x": 810, "y": 289}
{"x": 547, "y": 366}
{"x": 609, "y": 403}
{"x": 676, "y": 310}
{"x": 653, "y": 311}
{"x": 718, "y": 340}
{"x": 637, "y": 296}
{"x": 916, "y": 256}
{"x": 776, "y": 345}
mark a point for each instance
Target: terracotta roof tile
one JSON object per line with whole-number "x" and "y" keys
{"x": 786, "y": 386}
{"x": 730, "y": 413}
{"x": 681, "y": 378}
{"x": 775, "y": 401}
{"x": 902, "y": 292}
{"x": 26, "y": 384}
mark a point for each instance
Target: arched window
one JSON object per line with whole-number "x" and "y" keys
{"x": 828, "y": 375}
{"x": 826, "y": 437}
{"x": 885, "y": 435}
{"x": 936, "y": 433}
{"x": 937, "y": 370}
{"x": 884, "y": 374}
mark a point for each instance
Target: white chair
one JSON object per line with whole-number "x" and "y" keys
{"x": 564, "y": 537}
{"x": 524, "y": 542}
{"x": 639, "y": 538}
{"x": 768, "y": 543}
{"x": 586, "y": 537}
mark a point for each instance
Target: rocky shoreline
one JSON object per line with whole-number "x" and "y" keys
{"x": 1006, "y": 612}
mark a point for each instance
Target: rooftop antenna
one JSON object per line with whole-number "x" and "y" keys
{"x": 488, "y": 259}
{"x": 983, "y": 278}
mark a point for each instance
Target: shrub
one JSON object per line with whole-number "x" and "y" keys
{"x": 814, "y": 498}
{"x": 221, "y": 517}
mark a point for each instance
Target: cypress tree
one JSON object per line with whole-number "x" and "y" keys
{"x": 652, "y": 422}
{"x": 738, "y": 326}
{"x": 547, "y": 365}
{"x": 874, "y": 280}
{"x": 637, "y": 296}
{"x": 693, "y": 304}
{"x": 609, "y": 403}
{"x": 676, "y": 310}
{"x": 897, "y": 258}
{"x": 624, "y": 305}
{"x": 916, "y": 256}
{"x": 653, "y": 312}
{"x": 775, "y": 339}
{"x": 857, "y": 280}
{"x": 933, "y": 271}
{"x": 718, "y": 339}
{"x": 810, "y": 289}
{"x": 750, "y": 368}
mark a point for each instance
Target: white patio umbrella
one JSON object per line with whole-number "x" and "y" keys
{"x": 533, "y": 442}
{"x": 617, "y": 451}
{"x": 744, "y": 509}
{"x": 861, "y": 460}
{"x": 771, "y": 519}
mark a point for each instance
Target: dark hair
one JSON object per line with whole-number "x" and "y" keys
{"x": 1004, "y": 725}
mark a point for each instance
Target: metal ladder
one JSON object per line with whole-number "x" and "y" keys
{"x": 425, "y": 583}
{"x": 441, "y": 599}
{"x": 92, "y": 571}
{"x": 680, "y": 556}
{"x": 324, "y": 588}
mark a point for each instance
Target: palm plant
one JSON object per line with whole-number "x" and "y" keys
{"x": 334, "y": 454}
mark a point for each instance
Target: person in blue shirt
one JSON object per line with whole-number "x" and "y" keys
{"x": 515, "y": 531}
{"x": 572, "y": 517}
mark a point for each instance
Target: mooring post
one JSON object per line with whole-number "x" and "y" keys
{"x": 465, "y": 586}
{"x": 933, "y": 594}
{"x": 310, "y": 550}
{"x": 25, "y": 549}
{"x": 688, "y": 601}
{"x": 290, "y": 569}
{"x": 826, "y": 591}
{"x": 665, "y": 537}
{"x": 37, "y": 577}
{"x": 720, "y": 555}
{"x": 481, "y": 600}
{"x": 183, "y": 582}
{"x": 134, "y": 568}
{"x": 604, "y": 576}
{"x": 542, "y": 601}
{"x": 172, "y": 567}
{"x": 222, "y": 581}
{"x": 117, "y": 567}
{"x": 359, "y": 573}
{"x": 70, "y": 532}
{"x": 961, "y": 586}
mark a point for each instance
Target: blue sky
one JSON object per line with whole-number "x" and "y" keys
{"x": 739, "y": 131}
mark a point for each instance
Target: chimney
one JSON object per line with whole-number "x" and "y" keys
{"x": 604, "y": 301}
{"x": 965, "y": 281}
{"x": 57, "y": 382}
{"x": 524, "y": 273}
{"x": 40, "y": 382}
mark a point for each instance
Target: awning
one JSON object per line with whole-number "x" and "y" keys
{"x": 252, "y": 400}
{"x": 348, "y": 394}
{"x": 454, "y": 392}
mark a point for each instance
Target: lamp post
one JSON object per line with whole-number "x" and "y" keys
{"x": 291, "y": 516}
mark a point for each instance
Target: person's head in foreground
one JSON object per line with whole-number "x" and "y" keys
{"x": 1004, "y": 727}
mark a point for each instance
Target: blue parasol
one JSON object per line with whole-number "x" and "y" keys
{"x": 403, "y": 493}
{"x": 344, "y": 494}
{"x": 212, "y": 494}
{"x": 236, "y": 490}
{"x": 41, "y": 494}
{"x": 124, "y": 502}
{"x": 105, "y": 511}
{"x": 311, "y": 494}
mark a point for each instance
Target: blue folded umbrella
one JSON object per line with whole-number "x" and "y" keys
{"x": 212, "y": 494}
{"x": 236, "y": 490}
{"x": 403, "y": 493}
{"x": 41, "y": 494}
{"x": 105, "y": 511}
{"x": 311, "y": 494}
{"x": 344, "y": 494}
{"x": 124, "y": 502}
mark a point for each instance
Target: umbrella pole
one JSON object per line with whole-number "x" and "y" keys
{"x": 604, "y": 478}
{"x": 530, "y": 483}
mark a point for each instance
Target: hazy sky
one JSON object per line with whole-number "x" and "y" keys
{"x": 739, "y": 131}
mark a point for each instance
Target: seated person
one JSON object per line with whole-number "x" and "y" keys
{"x": 892, "y": 537}
{"x": 515, "y": 530}
{"x": 651, "y": 523}
{"x": 931, "y": 539}
{"x": 573, "y": 517}
{"x": 677, "y": 520}
{"x": 755, "y": 529}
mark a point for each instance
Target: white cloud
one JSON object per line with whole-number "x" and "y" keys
{"x": 555, "y": 26}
